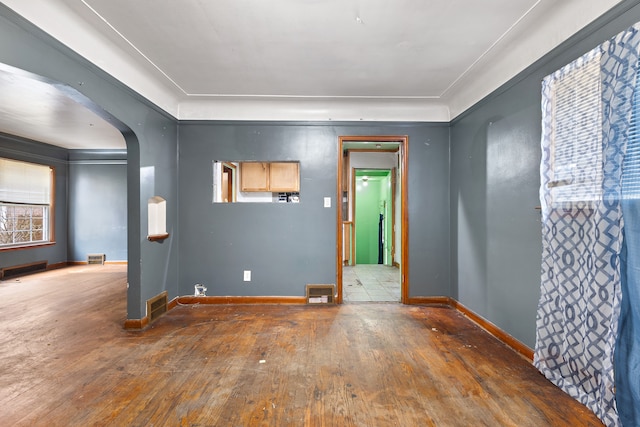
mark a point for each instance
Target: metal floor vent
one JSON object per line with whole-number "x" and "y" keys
{"x": 21, "y": 270}
{"x": 96, "y": 259}
{"x": 157, "y": 306}
{"x": 320, "y": 294}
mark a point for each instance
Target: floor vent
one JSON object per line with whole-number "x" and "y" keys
{"x": 157, "y": 306}
{"x": 21, "y": 270}
{"x": 96, "y": 259}
{"x": 320, "y": 294}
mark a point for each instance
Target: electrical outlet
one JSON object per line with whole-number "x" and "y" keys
{"x": 247, "y": 275}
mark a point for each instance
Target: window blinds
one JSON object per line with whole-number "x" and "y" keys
{"x": 576, "y": 157}
{"x": 25, "y": 183}
{"x": 631, "y": 165}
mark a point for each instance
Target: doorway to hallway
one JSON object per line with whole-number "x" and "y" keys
{"x": 373, "y": 215}
{"x": 372, "y": 219}
{"x": 374, "y": 276}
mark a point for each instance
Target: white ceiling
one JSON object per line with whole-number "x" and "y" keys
{"x": 55, "y": 114}
{"x": 400, "y": 60}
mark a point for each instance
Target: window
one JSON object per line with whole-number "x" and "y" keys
{"x": 590, "y": 165}
{"x": 25, "y": 203}
{"x": 576, "y": 128}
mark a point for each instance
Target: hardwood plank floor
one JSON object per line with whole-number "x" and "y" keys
{"x": 65, "y": 360}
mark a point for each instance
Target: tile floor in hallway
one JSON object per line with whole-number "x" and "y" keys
{"x": 370, "y": 283}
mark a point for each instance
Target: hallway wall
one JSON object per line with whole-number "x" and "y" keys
{"x": 385, "y": 160}
{"x": 368, "y": 199}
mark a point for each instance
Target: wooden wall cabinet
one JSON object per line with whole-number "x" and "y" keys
{"x": 277, "y": 177}
{"x": 284, "y": 177}
{"x": 254, "y": 176}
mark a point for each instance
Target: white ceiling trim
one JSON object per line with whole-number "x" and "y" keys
{"x": 55, "y": 19}
{"x": 491, "y": 48}
{"x": 542, "y": 30}
{"x": 315, "y": 109}
{"x": 138, "y": 51}
{"x": 544, "y": 26}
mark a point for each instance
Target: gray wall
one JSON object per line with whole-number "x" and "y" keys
{"x": 35, "y": 152}
{"x": 489, "y": 261}
{"x": 97, "y": 205}
{"x": 287, "y": 246}
{"x": 495, "y": 151}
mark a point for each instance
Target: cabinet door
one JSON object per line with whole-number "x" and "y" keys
{"x": 284, "y": 177}
{"x": 254, "y": 176}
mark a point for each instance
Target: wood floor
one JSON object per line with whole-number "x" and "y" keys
{"x": 65, "y": 360}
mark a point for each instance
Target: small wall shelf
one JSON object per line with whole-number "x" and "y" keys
{"x": 157, "y": 219}
{"x": 157, "y": 237}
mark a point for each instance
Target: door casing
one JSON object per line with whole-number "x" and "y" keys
{"x": 403, "y": 142}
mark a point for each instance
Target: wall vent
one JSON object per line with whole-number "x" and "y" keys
{"x": 96, "y": 259}
{"x": 320, "y": 294}
{"x": 157, "y": 306}
{"x": 21, "y": 270}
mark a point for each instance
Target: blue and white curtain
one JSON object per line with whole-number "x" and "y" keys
{"x": 583, "y": 345}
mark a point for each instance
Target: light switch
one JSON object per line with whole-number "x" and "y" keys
{"x": 327, "y": 202}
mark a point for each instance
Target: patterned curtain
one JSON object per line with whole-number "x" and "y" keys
{"x": 586, "y": 109}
